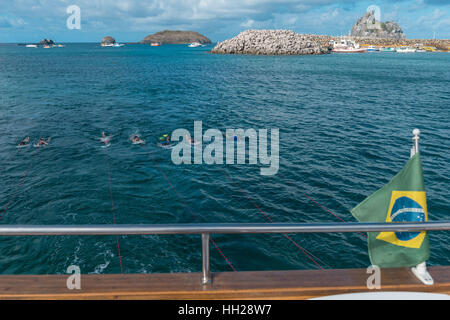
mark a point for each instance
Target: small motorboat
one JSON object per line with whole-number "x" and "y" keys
{"x": 406, "y": 50}
{"x": 347, "y": 46}
{"x": 372, "y": 49}
{"x": 195, "y": 45}
{"x": 155, "y": 44}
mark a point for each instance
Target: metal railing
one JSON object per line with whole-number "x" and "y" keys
{"x": 207, "y": 229}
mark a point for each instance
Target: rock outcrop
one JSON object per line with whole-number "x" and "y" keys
{"x": 176, "y": 37}
{"x": 108, "y": 40}
{"x": 271, "y": 42}
{"x": 46, "y": 42}
{"x": 369, "y": 27}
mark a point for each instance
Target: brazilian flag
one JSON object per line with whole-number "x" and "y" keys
{"x": 403, "y": 199}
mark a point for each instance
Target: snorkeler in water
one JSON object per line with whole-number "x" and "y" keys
{"x": 164, "y": 140}
{"x": 24, "y": 142}
{"x": 42, "y": 142}
{"x": 231, "y": 137}
{"x": 167, "y": 141}
{"x": 190, "y": 140}
{"x": 105, "y": 139}
{"x": 135, "y": 139}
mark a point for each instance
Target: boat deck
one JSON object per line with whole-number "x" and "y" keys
{"x": 301, "y": 284}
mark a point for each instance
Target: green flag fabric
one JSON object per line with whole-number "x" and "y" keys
{"x": 403, "y": 199}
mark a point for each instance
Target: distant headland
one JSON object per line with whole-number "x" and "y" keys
{"x": 175, "y": 37}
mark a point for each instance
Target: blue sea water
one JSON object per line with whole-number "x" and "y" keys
{"x": 345, "y": 126}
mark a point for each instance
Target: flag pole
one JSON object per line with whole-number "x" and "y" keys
{"x": 420, "y": 271}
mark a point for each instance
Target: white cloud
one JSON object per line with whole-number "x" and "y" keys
{"x": 219, "y": 17}
{"x": 248, "y": 24}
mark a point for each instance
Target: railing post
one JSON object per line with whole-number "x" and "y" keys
{"x": 415, "y": 147}
{"x": 420, "y": 271}
{"x": 206, "y": 273}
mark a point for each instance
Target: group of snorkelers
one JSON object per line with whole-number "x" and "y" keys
{"x": 164, "y": 140}
{"x": 40, "y": 143}
{"x": 134, "y": 138}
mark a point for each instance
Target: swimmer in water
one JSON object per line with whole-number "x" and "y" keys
{"x": 164, "y": 140}
{"x": 105, "y": 139}
{"x": 191, "y": 141}
{"x": 230, "y": 137}
{"x": 24, "y": 142}
{"x": 41, "y": 142}
{"x": 136, "y": 139}
{"x": 167, "y": 141}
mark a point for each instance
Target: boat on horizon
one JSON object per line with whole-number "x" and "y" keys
{"x": 195, "y": 45}
{"x": 115, "y": 45}
{"x": 347, "y": 46}
{"x": 31, "y": 46}
{"x": 155, "y": 44}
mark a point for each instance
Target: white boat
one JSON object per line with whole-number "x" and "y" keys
{"x": 118, "y": 45}
{"x": 195, "y": 44}
{"x": 347, "y": 46}
{"x": 406, "y": 50}
{"x": 31, "y": 46}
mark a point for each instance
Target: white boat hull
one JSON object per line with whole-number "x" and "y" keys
{"x": 349, "y": 50}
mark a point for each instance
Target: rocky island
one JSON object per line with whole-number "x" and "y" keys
{"x": 175, "y": 37}
{"x": 368, "y": 27}
{"x": 369, "y": 31}
{"x": 108, "y": 40}
{"x": 46, "y": 42}
{"x": 272, "y": 42}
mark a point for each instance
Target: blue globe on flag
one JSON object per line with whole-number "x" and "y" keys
{"x": 407, "y": 210}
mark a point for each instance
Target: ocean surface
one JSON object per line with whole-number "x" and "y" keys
{"x": 345, "y": 125}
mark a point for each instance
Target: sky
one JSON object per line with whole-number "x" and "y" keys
{"x": 131, "y": 20}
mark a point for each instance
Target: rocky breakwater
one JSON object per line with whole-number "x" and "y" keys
{"x": 271, "y": 42}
